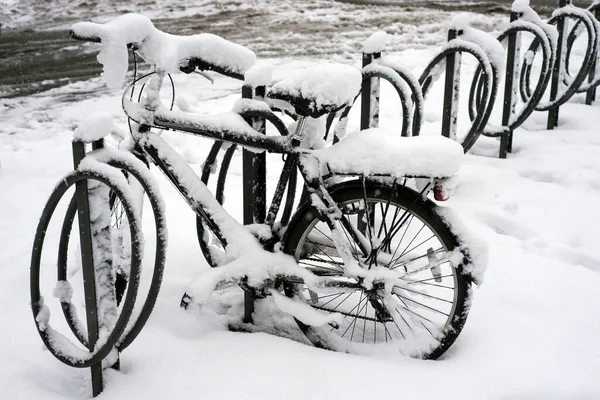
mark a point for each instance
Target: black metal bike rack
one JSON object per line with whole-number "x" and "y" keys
{"x": 561, "y": 59}
{"x": 123, "y": 329}
{"x": 87, "y": 261}
{"x": 254, "y": 186}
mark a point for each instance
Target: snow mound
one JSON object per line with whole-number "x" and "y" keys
{"x": 325, "y": 85}
{"x": 94, "y": 127}
{"x": 259, "y": 75}
{"x": 376, "y": 42}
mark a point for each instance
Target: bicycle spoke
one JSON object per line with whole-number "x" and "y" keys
{"x": 427, "y": 295}
{"x": 326, "y": 235}
{"x": 370, "y": 228}
{"x": 325, "y": 254}
{"x": 434, "y": 284}
{"x": 320, "y": 260}
{"x": 355, "y": 252}
{"x": 397, "y": 327}
{"x": 375, "y": 331}
{"x": 346, "y": 298}
{"x": 384, "y": 216}
{"x": 409, "y": 243}
{"x": 410, "y": 219}
{"x": 422, "y": 305}
{"x": 425, "y": 280}
{"x": 420, "y": 244}
{"x": 336, "y": 297}
{"x": 417, "y": 314}
{"x": 331, "y": 294}
{"x": 426, "y": 328}
{"x": 405, "y": 262}
{"x": 354, "y": 249}
{"x": 353, "y": 323}
{"x": 365, "y": 322}
{"x": 405, "y": 321}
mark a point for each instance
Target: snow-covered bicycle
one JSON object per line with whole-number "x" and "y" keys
{"x": 365, "y": 265}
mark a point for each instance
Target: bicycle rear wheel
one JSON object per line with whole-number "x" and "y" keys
{"x": 423, "y": 314}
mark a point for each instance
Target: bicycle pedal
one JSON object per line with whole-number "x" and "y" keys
{"x": 314, "y": 297}
{"x": 186, "y": 300}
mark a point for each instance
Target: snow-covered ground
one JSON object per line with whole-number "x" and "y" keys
{"x": 533, "y": 328}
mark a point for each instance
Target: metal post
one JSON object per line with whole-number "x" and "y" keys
{"x": 375, "y": 94}
{"x": 590, "y": 95}
{"x": 369, "y": 96}
{"x": 509, "y": 88}
{"x": 365, "y": 95}
{"x": 99, "y": 144}
{"x": 254, "y": 189}
{"x": 451, "y": 89}
{"x": 562, "y": 27}
{"x": 87, "y": 262}
{"x": 369, "y": 116}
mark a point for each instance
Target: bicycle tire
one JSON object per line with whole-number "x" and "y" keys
{"x": 349, "y": 194}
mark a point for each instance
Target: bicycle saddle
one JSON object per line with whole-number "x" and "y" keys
{"x": 319, "y": 90}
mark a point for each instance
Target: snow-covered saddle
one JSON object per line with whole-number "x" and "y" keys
{"x": 319, "y": 89}
{"x": 377, "y": 151}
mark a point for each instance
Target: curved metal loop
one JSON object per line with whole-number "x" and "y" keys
{"x": 575, "y": 84}
{"x": 529, "y": 105}
{"x": 53, "y": 339}
{"x": 573, "y": 34}
{"x": 377, "y": 71}
{"x": 488, "y": 88}
{"x": 416, "y": 95}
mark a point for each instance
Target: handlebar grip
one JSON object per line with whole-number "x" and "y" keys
{"x": 85, "y": 38}
{"x": 197, "y": 63}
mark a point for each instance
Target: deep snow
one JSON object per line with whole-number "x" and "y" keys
{"x": 533, "y": 328}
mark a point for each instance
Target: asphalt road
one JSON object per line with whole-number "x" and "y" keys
{"x": 36, "y": 60}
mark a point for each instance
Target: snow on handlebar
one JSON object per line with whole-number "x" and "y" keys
{"x": 165, "y": 51}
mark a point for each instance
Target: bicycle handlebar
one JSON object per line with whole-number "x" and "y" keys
{"x": 205, "y": 52}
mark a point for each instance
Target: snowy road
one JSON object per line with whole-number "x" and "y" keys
{"x": 534, "y": 326}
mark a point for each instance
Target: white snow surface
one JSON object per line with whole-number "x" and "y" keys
{"x": 259, "y": 75}
{"x": 376, "y": 42}
{"x": 531, "y": 334}
{"x": 520, "y": 6}
{"x": 94, "y": 126}
{"x": 63, "y": 291}
{"x": 323, "y": 84}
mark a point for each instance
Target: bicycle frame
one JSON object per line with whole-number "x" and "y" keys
{"x": 286, "y": 144}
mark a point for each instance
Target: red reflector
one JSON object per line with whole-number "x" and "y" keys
{"x": 440, "y": 194}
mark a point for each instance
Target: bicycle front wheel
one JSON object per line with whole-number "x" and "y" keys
{"x": 420, "y": 316}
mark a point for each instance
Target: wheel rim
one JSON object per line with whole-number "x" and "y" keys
{"x": 421, "y": 309}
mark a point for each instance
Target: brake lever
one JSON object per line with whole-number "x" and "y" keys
{"x": 205, "y": 75}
